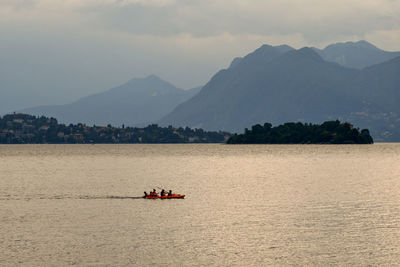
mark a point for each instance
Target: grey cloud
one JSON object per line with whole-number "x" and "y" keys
{"x": 210, "y": 18}
{"x": 313, "y": 19}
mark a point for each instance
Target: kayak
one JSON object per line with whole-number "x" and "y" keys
{"x": 164, "y": 197}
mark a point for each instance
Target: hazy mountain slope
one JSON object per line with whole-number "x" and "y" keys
{"x": 140, "y": 101}
{"x": 296, "y": 85}
{"x": 264, "y": 52}
{"x": 383, "y": 84}
{"x": 358, "y": 55}
{"x": 379, "y": 88}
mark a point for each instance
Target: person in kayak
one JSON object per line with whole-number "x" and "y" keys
{"x": 154, "y": 193}
{"x": 170, "y": 193}
{"x": 162, "y": 192}
{"x": 145, "y": 194}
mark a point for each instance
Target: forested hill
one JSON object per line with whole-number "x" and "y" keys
{"x": 27, "y": 129}
{"x": 329, "y": 132}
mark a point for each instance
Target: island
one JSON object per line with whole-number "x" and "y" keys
{"x": 27, "y": 129}
{"x": 329, "y": 132}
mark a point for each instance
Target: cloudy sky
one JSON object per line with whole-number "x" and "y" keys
{"x": 54, "y": 51}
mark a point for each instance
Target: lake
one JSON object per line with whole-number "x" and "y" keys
{"x": 245, "y": 205}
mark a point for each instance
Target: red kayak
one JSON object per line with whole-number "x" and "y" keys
{"x": 164, "y": 197}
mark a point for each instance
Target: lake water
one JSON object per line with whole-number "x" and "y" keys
{"x": 245, "y": 205}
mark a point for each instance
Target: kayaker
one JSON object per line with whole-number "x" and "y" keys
{"x": 170, "y": 193}
{"x": 145, "y": 194}
{"x": 162, "y": 192}
{"x": 154, "y": 193}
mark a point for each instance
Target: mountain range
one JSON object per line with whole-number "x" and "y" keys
{"x": 138, "y": 102}
{"x": 357, "y": 55}
{"x": 353, "y": 81}
{"x": 280, "y": 84}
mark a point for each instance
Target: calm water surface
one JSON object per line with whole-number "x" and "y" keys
{"x": 245, "y": 205}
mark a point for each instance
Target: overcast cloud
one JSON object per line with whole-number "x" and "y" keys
{"x": 56, "y": 51}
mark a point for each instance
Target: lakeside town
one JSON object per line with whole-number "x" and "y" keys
{"x": 21, "y": 128}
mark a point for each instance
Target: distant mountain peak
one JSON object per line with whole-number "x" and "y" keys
{"x": 357, "y": 55}
{"x": 284, "y": 48}
{"x": 359, "y": 44}
{"x": 139, "y": 101}
{"x": 149, "y": 81}
{"x": 261, "y": 55}
{"x": 305, "y": 52}
{"x": 262, "y": 50}
{"x": 150, "y": 77}
{"x": 265, "y": 48}
{"x": 365, "y": 43}
{"x": 153, "y": 77}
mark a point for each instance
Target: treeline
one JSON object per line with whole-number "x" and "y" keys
{"x": 28, "y": 129}
{"x": 329, "y": 132}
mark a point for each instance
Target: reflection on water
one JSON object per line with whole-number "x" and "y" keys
{"x": 70, "y": 197}
{"x": 270, "y": 205}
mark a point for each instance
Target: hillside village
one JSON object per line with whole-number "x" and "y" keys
{"x": 23, "y": 128}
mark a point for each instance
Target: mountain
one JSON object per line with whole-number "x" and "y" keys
{"x": 378, "y": 87}
{"x": 271, "y": 85}
{"x": 265, "y": 52}
{"x": 268, "y": 85}
{"x": 137, "y": 102}
{"x": 357, "y": 55}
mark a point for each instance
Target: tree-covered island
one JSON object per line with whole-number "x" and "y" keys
{"x": 28, "y": 129}
{"x": 329, "y": 132}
